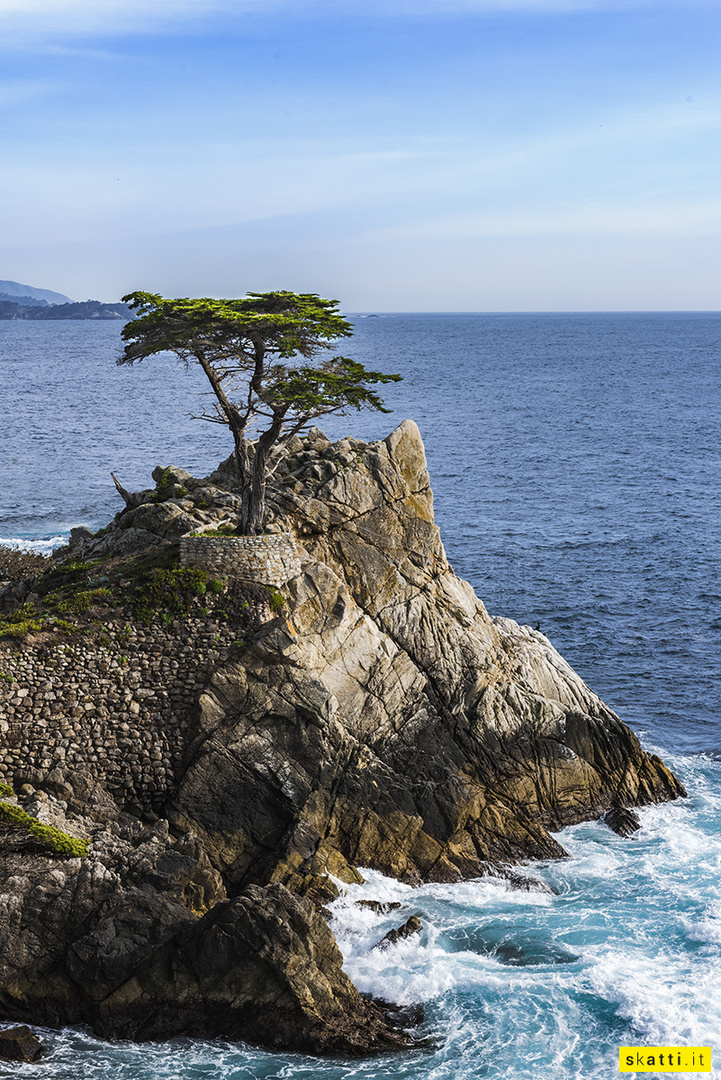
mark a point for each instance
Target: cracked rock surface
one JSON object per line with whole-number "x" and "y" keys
{"x": 382, "y": 721}
{"x": 390, "y": 723}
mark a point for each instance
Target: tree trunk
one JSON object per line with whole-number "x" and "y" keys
{"x": 259, "y": 477}
{"x": 131, "y": 498}
{"x": 256, "y": 500}
{"x": 245, "y": 480}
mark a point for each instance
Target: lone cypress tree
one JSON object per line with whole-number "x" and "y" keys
{"x": 245, "y": 347}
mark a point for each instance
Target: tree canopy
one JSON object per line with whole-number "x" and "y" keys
{"x": 246, "y": 348}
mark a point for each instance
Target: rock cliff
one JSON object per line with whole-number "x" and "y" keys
{"x": 381, "y": 719}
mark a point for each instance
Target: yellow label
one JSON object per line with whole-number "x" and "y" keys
{"x": 664, "y": 1059}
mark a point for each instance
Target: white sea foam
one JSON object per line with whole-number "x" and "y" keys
{"x": 626, "y": 952}
{"x": 44, "y": 546}
{"x": 670, "y": 998}
{"x": 707, "y": 928}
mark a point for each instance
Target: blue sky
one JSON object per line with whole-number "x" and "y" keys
{"x": 477, "y": 155}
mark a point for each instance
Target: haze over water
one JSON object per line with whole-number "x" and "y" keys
{"x": 575, "y": 462}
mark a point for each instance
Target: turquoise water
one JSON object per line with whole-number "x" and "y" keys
{"x": 624, "y": 951}
{"x": 575, "y": 462}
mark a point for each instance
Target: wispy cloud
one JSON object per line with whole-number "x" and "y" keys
{"x": 43, "y": 17}
{"x": 585, "y": 219}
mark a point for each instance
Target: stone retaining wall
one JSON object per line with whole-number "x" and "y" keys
{"x": 122, "y": 710}
{"x": 270, "y": 559}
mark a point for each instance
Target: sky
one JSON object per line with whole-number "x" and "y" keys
{"x": 404, "y": 155}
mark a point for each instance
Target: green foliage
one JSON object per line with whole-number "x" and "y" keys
{"x": 74, "y": 568}
{"x": 77, "y": 603}
{"x": 215, "y": 586}
{"x": 18, "y": 624}
{"x": 65, "y": 578}
{"x": 15, "y": 814}
{"x": 6, "y": 789}
{"x": 60, "y": 842}
{"x": 8, "y": 678}
{"x": 277, "y": 600}
{"x": 168, "y": 591}
{"x": 48, "y": 835}
{"x": 336, "y": 386}
{"x": 163, "y": 486}
{"x": 63, "y": 591}
{"x": 286, "y": 324}
{"x": 243, "y": 347}
{"x": 235, "y": 335}
{"x": 166, "y": 488}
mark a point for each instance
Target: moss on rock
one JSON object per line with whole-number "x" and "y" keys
{"x": 48, "y": 836}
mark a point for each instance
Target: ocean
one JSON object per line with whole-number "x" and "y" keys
{"x": 575, "y": 461}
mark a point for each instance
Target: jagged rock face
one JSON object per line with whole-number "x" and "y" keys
{"x": 71, "y": 930}
{"x": 19, "y": 1044}
{"x": 390, "y": 722}
{"x": 230, "y": 975}
{"x": 140, "y": 941}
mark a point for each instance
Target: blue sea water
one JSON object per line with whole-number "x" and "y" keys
{"x": 575, "y": 462}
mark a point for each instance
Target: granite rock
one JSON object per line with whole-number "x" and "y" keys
{"x": 382, "y": 719}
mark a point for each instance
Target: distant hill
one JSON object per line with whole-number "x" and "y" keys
{"x": 22, "y": 292}
{"x": 86, "y": 309}
{"x": 24, "y": 301}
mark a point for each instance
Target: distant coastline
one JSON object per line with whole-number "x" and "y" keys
{"x": 85, "y": 309}
{"x": 18, "y": 301}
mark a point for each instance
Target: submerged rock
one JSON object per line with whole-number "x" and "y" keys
{"x": 410, "y": 927}
{"x": 379, "y": 907}
{"x": 623, "y": 821}
{"x": 20, "y": 1044}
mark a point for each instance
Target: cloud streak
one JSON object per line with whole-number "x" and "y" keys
{"x": 589, "y": 219}
{"x": 40, "y": 18}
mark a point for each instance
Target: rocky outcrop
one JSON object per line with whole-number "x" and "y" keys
{"x": 140, "y": 940}
{"x": 410, "y": 927}
{"x": 390, "y": 722}
{"x": 379, "y": 719}
{"x": 622, "y": 821}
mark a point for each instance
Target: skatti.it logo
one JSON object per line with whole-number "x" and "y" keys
{"x": 664, "y": 1059}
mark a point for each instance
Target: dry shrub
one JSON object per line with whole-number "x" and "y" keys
{"x": 18, "y": 565}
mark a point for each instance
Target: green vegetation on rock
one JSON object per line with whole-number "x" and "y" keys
{"x": 168, "y": 591}
{"x": 59, "y": 842}
{"x": 166, "y": 488}
{"x": 18, "y": 624}
{"x": 277, "y": 600}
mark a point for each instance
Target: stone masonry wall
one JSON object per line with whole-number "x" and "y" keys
{"x": 120, "y": 708}
{"x": 271, "y": 559}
